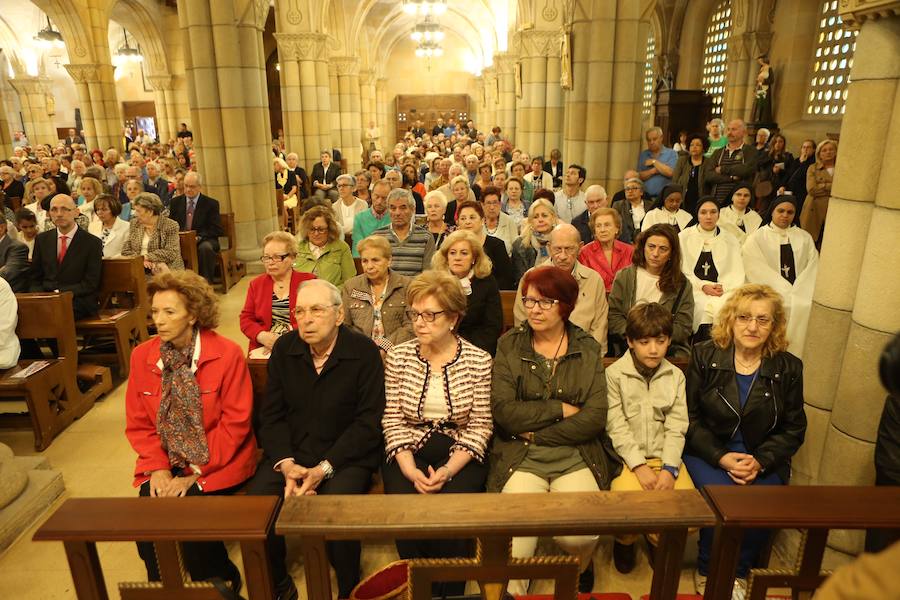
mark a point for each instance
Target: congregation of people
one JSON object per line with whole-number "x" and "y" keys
{"x": 382, "y": 321}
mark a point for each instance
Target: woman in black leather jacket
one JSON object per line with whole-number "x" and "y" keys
{"x": 745, "y": 407}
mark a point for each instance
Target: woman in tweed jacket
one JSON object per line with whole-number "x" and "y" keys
{"x": 163, "y": 251}
{"x": 437, "y": 420}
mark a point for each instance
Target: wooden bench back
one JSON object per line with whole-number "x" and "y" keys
{"x": 48, "y": 315}
{"x": 188, "y": 242}
{"x": 507, "y": 302}
{"x": 228, "y": 228}
{"x": 123, "y": 283}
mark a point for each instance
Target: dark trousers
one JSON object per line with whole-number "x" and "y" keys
{"x": 343, "y": 555}
{"x": 207, "y": 252}
{"x": 702, "y": 473}
{"x": 470, "y": 479}
{"x": 203, "y": 560}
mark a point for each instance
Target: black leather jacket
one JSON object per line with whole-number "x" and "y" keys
{"x": 772, "y": 421}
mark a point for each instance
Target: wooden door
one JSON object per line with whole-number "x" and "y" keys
{"x": 427, "y": 108}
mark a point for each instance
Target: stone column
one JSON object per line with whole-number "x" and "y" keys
{"x": 33, "y": 93}
{"x": 489, "y": 110}
{"x": 856, "y": 306}
{"x": 531, "y": 108}
{"x": 305, "y": 99}
{"x": 506, "y": 89}
{"x": 225, "y": 69}
{"x": 385, "y": 120}
{"x": 347, "y": 71}
{"x": 100, "y": 109}
{"x": 164, "y": 96}
{"x": 334, "y": 93}
{"x": 367, "y": 104}
{"x": 603, "y": 108}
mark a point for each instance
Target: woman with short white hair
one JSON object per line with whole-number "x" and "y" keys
{"x": 435, "y": 208}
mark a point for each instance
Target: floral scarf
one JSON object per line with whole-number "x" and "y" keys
{"x": 179, "y": 420}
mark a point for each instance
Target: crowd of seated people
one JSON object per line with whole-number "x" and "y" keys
{"x": 687, "y": 260}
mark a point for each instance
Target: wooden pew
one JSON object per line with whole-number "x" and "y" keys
{"x": 187, "y": 240}
{"x": 815, "y": 509}
{"x": 507, "y": 302}
{"x": 231, "y": 270}
{"x": 319, "y": 518}
{"x": 124, "y": 306}
{"x": 51, "y": 394}
{"x": 82, "y": 522}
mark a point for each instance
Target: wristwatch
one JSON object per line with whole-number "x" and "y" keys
{"x": 327, "y": 469}
{"x": 672, "y": 470}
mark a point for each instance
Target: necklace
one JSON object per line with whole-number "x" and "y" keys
{"x": 748, "y": 365}
{"x": 551, "y": 363}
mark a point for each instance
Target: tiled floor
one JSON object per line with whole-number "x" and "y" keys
{"x": 96, "y": 460}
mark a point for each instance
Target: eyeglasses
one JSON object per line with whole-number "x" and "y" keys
{"x": 569, "y": 250}
{"x": 317, "y": 310}
{"x": 763, "y": 321}
{"x": 265, "y": 258}
{"x": 544, "y": 303}
{"x": 318, "y": 230}
{"x": 427, "y": 316}
{"x": 340, "y": 185}
{"x": 632, "y": 189}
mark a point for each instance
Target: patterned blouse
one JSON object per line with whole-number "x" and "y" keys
{"x": 281, "y": 314}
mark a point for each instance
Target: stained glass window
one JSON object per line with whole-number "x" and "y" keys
{"x": 831, "y": 64}
{"x": 715, "y": 52}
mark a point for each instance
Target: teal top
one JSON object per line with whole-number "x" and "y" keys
{"x": 365, "y": 224}
{"x": 335, "y": 264}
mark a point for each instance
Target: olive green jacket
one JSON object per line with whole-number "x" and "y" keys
{"x": 524, "y": 402}
{"x": 334, "y": 265}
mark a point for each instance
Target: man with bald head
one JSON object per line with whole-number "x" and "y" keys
{"x": 195, "y": 211}
{"x": 594, "y": 197}
{"x": 68, "y": 259}
{"x": 591, "y": 310}
{"x": 732, "y": 164}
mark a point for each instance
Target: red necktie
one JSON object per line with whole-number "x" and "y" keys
{"x": 189, "y": 221}
{"x": 63, "y": 241}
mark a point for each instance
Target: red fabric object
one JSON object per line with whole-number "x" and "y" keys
{"x": 386, "y": 583}
{"x": 592, "y": 596}
{"x": 63, "y": 246}
{"x": 592, "y": 256}
{"x": 227, "y": 398}
{"x": 256, "y": 316}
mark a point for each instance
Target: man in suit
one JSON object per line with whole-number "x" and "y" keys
{"x": 13, "y": 259}
{"x": 324, "y": 174}
{"x": 68, "y": 259}
{"x": 198, "y": 212}
{"x": 555, "y": 167}
{"x": 72, "y": 138}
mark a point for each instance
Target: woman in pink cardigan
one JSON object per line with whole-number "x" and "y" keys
{"x": 269, "y": 309}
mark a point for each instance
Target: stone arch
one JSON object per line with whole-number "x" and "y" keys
{"x": 135, "y": 17}
{"x": 79, "y": 44}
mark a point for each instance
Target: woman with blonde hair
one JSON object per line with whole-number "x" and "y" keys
{"x": 463, "y": 256}
{"x": 375, "y": 300}
{"x": 323, "y": 251}
{"x": 531, "y": 248}
{"x": 745, "y": 406}
{"x": 818, "y": 190}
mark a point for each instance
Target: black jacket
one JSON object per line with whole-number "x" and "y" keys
{"x": 327, "y": 176}
{"x": 335, "y": 415}
{"x": 503, "y": 269}
{"x": 79, "y": 272}
{"x": 484, "y": 315}
{"x": 772, "y": 421}
{"x": 207, "y": 221}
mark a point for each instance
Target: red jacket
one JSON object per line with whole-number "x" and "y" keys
{"x": 592, "y": 256}
{"x": 256, "y": 316}
{"x": 227, "y": 398}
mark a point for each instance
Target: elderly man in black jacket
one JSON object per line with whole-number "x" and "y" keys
{"x": 320, "y": 421}
{"x": 198, "y": 212}
{"x": 13, "y": 259}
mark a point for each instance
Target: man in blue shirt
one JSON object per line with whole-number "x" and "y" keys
{"x": 656, "y": 163}
{"x": 366, "y": 222}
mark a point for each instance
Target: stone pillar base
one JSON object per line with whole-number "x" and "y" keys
{"x": 28, "y": 487}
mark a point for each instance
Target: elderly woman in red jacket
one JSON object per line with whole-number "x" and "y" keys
{"x": 269, "y": 309}
{"x": 187, "y": 409}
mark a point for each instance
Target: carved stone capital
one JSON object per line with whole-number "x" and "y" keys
{"x": 540, "y": 43}
{"x": 87, "y": 73}
{"x": 31, "y": 85}
{"x": 505, "y": 63}
{"x": 344, "y": 65}
{"x": 161, "y": 83}
{"x": 855, "y": 12}
{"x": 301, "y": 46}
{"x": 367, "y": 77}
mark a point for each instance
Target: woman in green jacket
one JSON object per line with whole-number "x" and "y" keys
{"x": 323, "y": 252}
{"x": 549, "y": 407}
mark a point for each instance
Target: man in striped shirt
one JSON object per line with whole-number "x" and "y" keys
{"x": 412, "y": 246}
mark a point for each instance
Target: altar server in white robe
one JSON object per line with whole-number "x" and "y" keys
{"x": 784, "y": 256}
{"x": 669, "y": 210}
{"x": 736, "y": 217}
{"x": 711, "y": 260}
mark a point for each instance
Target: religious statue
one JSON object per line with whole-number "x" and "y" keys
{"x": 565, "y": 57}
{"x": 762, "y": 104}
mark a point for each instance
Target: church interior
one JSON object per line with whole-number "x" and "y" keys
{"x": 585, "y": 79}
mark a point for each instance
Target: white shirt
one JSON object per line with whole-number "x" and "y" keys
{"x": 569, "y": 207}
{"x": 60, "y": 235}
{"x": 9, "y": 318}
{"x": 646, "y": 287}
{"x": 435, "y": 405}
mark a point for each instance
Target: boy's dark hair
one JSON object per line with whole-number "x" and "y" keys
{"x": 648, "y": 320}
